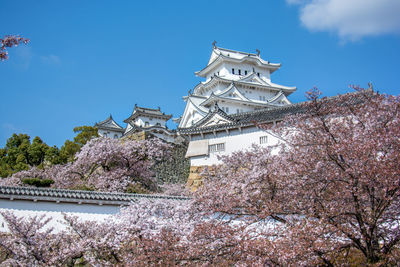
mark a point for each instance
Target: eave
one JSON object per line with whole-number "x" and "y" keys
{"x": 214, "y": 98}
{"x": 211, "y": 114}
{"x": 247, "y": 119}
{"x": 150, "y": 129}
{"x": 215, "y": 79}
{"x": 111, "y": 129}
{"x": 138, "y": 114}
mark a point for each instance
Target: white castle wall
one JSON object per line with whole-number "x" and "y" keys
{"x": 232, "y": 108}
{"x": 110, "y": 134}
{"x": 225, "y": 71}
{"x": 141, "y": 121}
{"x": 235, "y": 141}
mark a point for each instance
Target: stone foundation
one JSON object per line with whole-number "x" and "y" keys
{"x": 195, "y": 180}
{"x": 137, "y": 136}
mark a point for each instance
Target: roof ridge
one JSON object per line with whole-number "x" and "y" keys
{"x": 110, "y": 118}
{"x": 76, "y": 194}
{"x": 235, "y": 51}
{"x": 155, "y": 109}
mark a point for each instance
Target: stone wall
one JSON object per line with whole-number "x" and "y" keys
{"x": 138, "y": 136}
{"x": 173, "y": 170}
{"x": 195, "y": 179}
{"x": 176, "y": 168}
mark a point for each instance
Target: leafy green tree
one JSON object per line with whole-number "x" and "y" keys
{"x": 85, "y": 134}
{"x": 70, "y": 148}
{"x": 37, "y": 152}
{"x": 16, "y": 153}
{"x": 53, "y": 156}
{"x": 20, "y": 154}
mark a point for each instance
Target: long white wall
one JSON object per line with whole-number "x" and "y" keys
{"x": 54, "y": 210}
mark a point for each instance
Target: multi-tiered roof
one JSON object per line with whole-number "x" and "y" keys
{"x": 149, "y": 120}
{"x": 148, "y": 113}
{"x": 237, "y": 82}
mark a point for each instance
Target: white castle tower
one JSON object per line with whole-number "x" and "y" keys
{"x": 235, "y": 81}
{"x": 109, "y": 128}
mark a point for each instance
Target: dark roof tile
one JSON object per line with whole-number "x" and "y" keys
{"x": 63, "y": 195}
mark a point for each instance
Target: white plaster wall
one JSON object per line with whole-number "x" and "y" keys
{"x": 221, "y": 71}
{"x": 140, "y": 121}
{"x": 219, "y": 88}
{"x": 108, "y": 133}
{"x": 235, "y": 141}
{"x": 128, "y": 127}
{"x": 265, "y": 75}
{"x": 252, "y": 94}
{"x": 225, "y": 71}
{"x": 255, "y": 94}
{"x": 28, "y": 208}
{"x": 232, "y": 108}
{"x": 191, "y": 117}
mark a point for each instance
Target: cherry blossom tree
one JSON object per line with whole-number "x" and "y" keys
{"x": 104, "y": 164}
{"x": 146, "y": 232}
{"x": 333, "y": 189}
{"x": 10, "y": 41}
{"x": 327, "y": 195}
{"x": 31, "y": 242}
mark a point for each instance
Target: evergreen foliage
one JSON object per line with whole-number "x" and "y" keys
{"x": 21, "y": 154}
{"x": 70, "y": 148}
{"x": 38, "y": 182}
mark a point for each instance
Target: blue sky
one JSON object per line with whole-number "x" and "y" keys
{"x": 87, "y": 59}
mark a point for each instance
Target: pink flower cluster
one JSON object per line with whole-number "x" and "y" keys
{"x": 10, "y": 41}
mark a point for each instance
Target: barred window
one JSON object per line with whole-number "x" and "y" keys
{"x": 216, "y": 147}
{"x": 263, "y": 139}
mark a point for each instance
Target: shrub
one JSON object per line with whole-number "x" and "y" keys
{"x": 38, "y": 182}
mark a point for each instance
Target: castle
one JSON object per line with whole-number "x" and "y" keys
{"x": 221, "y": 112}
{"x": 235, "y": 83}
